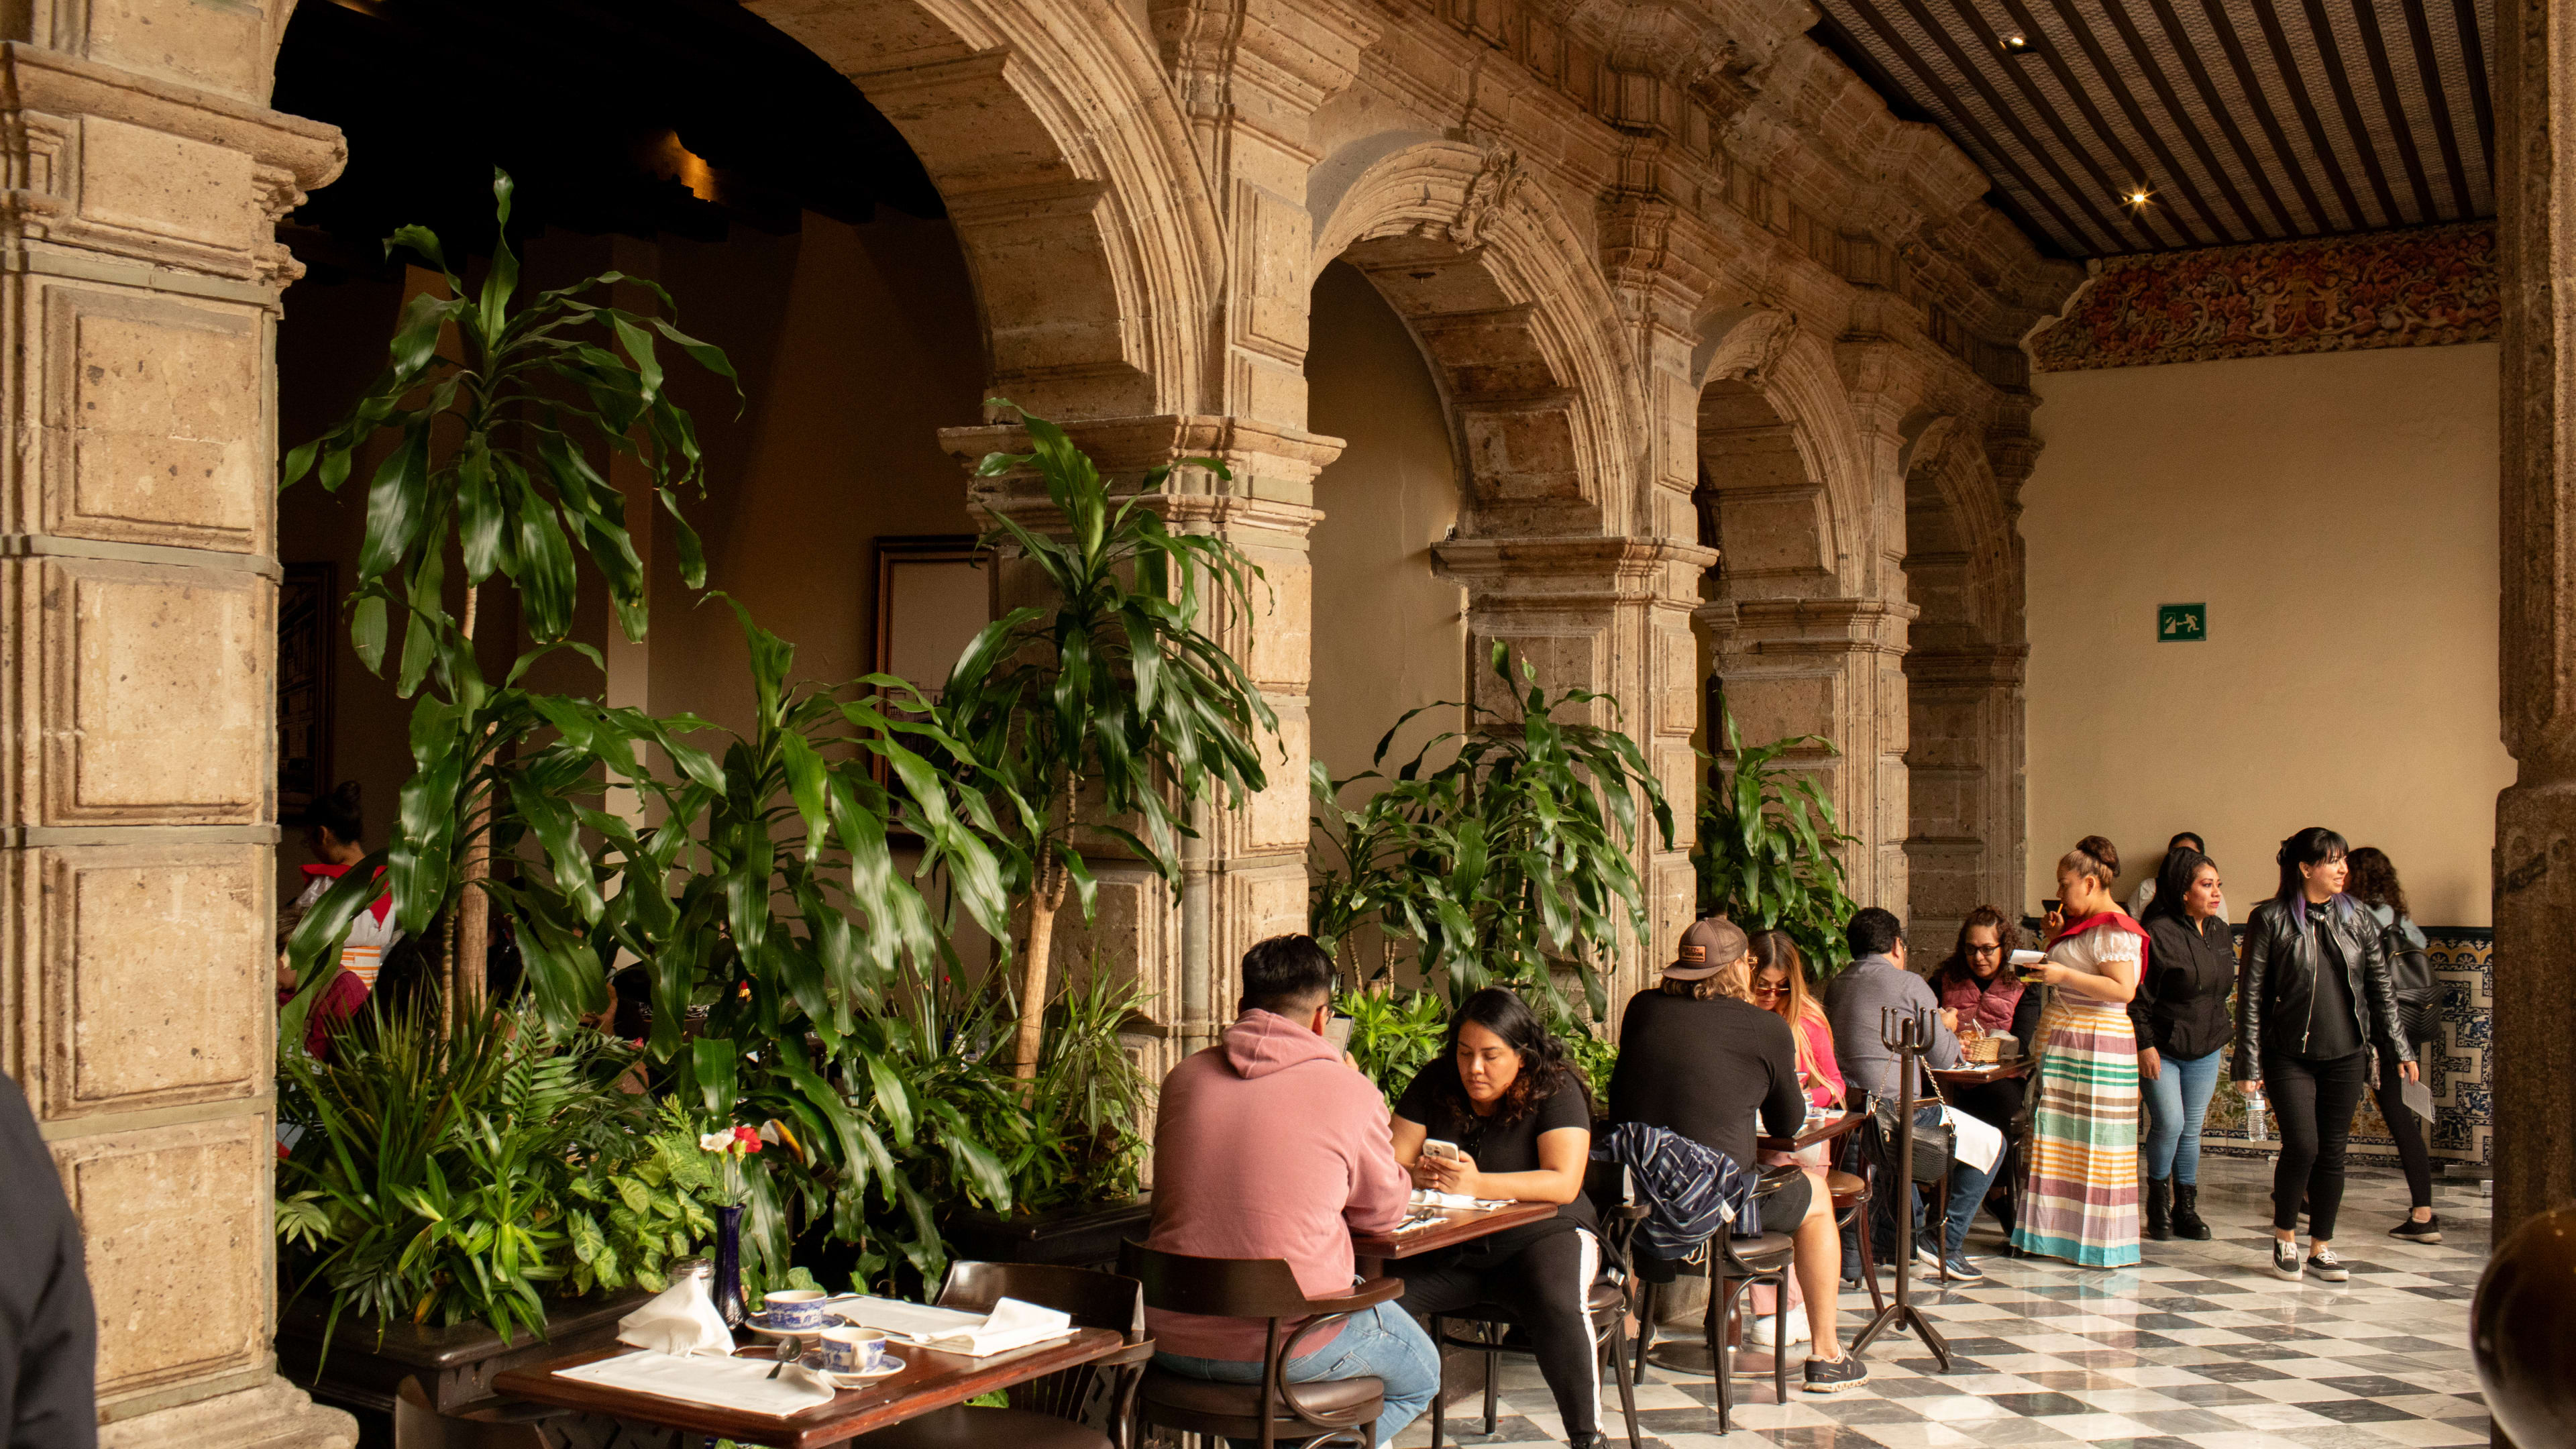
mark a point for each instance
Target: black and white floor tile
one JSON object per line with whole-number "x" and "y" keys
{"x": 2200, "y": 1346}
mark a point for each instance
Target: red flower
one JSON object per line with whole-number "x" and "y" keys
{"x": 749, "y": 1139}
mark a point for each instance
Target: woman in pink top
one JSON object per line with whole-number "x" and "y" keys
{"x": 1780, "y": 984}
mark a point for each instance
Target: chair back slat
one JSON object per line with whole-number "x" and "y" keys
{"x": 1223, "y": 1287}
{"x": 1084, "y": 1394}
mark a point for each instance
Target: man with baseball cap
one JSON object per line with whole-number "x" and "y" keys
{"x": 1697, "y": 1057}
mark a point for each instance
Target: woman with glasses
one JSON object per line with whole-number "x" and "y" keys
{"x": 1972, "y": 981}
{"x": 1779, "y": 985}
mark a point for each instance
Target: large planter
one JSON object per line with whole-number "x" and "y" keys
{"x": 455, "y": 1366}
{"x": 1079, "y": 1237}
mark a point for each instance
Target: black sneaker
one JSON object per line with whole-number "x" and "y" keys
{"x": 2326, "y": 1265}
{"x": 1834, "y": 1376}
{"x": 2285, "y": 1259}
{"x": 2428, "y": 1231}
{"x": 1961, "y": 1270}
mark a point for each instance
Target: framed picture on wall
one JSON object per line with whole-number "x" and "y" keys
{"x": 308, "y": 605}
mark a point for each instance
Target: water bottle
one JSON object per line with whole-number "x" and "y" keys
{"x": 2255, "y": 1107}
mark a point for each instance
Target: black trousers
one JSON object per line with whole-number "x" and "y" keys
{"x": 2404, "y": 1127}
{"x": 2314, "y": 1102}
{"x": 1546, "y": 1284}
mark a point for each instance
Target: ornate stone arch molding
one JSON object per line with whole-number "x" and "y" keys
{"x": 1966, "y": 733}
{"x": 1517, "y": 321}
{"x": 1068, "y": 172}
{"x": 1781, "y": 453}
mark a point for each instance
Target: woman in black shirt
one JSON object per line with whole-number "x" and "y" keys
{"x": 1514, "y": 1109}
{"x": 2180, "y": 1017}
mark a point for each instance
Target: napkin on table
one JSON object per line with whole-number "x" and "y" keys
{"x": 678, "y": 1320}
{"x": 727, "y": 1383}
{"x": 1012, "y": 1324}
{"x": 1425, "y": 1197}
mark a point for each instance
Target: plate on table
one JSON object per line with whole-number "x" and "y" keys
{"x": 892, "y": 1365}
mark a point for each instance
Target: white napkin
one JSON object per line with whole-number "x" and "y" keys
{"x": 1425, "y": 1197}
{"x": 678, "y": 1320}
{"x": 1012, "y": 1324}
{"x": 727, "y": 1383}
{"x": 1977, "y": 1143}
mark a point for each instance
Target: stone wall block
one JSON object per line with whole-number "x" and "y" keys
{"x": 155, "y": 961}
{"x": 1281, "y": 649}
{"x": 159, "y": 186}
{"x": 223, "y": 46}
{"x": 154, "y": 695}
{"x": 176, "y": 1223}
{"x": 154, "y": 426}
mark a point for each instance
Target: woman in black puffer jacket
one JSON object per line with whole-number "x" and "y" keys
{"x": 2313, "y": 999}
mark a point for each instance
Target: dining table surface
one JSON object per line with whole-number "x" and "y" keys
{"x": 930, "y": 1380}
{"x": 1817, "y": 1129}
{"x": 1452, "y": 1227}
{"x": 1981, "y": 1073}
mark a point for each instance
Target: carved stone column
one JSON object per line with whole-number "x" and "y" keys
{"x": 139, "y": 280}
{"x": 1244, "y": 878}
{"x": 2535, "y": 852}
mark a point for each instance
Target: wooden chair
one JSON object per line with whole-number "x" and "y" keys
{"x": 1612, "y": 1297}
{"x": 1733, "y": 1265}
{"x": 1851, "y": 1198}
{"x": 1319, "y": 1411}
{"x": 1089, "y": 1406}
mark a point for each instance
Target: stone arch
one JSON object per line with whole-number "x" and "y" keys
{"x": 1068, "y": 172}
{"x": 1517, "y": 321}
{"x": 1964, "y": 845}
{"x": 1799, "y": 635}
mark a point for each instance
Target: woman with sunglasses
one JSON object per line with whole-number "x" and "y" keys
{"x": 1779, "y": 985}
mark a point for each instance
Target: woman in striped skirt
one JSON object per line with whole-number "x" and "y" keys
{"x": 2080, "y": 1189}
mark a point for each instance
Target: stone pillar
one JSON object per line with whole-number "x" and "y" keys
{"x": 139, "y": 281}
{"x": 2535, "y": 851}
{"x": 1244, "y": 877}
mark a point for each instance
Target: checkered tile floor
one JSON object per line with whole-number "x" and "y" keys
{"x": 2200, "y": 1346}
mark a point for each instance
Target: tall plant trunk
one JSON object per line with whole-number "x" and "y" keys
{"x": 1044, "y": 903}
{"x": 470, "y": 940}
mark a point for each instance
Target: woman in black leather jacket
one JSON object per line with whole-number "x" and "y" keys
{"x": 2313, "y": 1000}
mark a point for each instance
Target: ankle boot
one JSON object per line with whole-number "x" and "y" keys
{"x": 2186, "y": 1213}
{"x": 2159, "y": 1208}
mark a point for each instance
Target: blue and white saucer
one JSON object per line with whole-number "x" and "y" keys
{"x": 887, "y": 1367}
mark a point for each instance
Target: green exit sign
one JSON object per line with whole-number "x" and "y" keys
{"x": 2181, "y": 623}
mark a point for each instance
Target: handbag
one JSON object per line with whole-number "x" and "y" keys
{"x": 2410, "y": 971}
{"x": 1932, "y": 1149}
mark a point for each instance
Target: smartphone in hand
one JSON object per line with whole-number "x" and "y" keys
{"x": 1445, "y": 1151}
{"x": 1337, "y": 1030}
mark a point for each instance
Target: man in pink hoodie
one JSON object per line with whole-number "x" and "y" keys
{"x": 1272, "y": 1145}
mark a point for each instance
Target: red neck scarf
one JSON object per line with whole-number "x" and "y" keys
{"x": 2115, "y": 920}
{"x": 318, "y": 871}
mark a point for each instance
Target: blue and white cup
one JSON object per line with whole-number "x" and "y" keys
{"x": 850, "y": 1349}
{"x": 795, "y": 1309}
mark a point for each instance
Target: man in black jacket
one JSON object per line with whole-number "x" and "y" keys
{"x": 48, "y": 1331}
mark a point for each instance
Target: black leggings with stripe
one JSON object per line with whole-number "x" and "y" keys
{"x": 1547, "y": 1284}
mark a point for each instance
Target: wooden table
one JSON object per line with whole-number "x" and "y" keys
{"x": 1978, "y": 1076}
{"x": 1832, "y": 1130}
{"x": 930, "y": 1380}
{"x": 1457, "y": 1225}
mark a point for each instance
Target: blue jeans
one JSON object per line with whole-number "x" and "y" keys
{"x": 1967, "y": 1191}
{"x": 2176, "y": 1101}
{"x": 1383, "y": 1343}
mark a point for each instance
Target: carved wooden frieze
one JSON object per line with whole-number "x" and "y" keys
{"x": 2425, "y": 286}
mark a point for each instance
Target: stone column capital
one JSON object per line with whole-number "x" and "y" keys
{"x": 1814, "y": 626}
{"x": 1557, "y": 571}
{"x": 2002, "y": 665}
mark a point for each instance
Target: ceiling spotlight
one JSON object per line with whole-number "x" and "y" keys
{"x": 2139, "y": 196}
{"x": 2015, "y": 43}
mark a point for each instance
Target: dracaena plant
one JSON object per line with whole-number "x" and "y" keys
{"x": 1113, "y": 702}
{"x": 1765, "y": 856}
{"x": 1500, "y": 852}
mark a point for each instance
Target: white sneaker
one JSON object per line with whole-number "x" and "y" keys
{"x": 1758, "y": 1333}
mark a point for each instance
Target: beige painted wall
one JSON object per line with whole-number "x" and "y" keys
{"x": 1389, "y": 634}
{"x": 2337, "y": 513}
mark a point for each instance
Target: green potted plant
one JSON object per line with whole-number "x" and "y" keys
{"x": 1112, "y": 705}
{"x": 1502, "y": 854}
{"x": 1765, "y": 857}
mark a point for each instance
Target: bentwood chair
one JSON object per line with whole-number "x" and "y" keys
{"x": 1320, "y": 1411}
{"x": 1088, "y": 1406}
{"x": 1482, "y": 1328}
{"x": 1733, "y": 1265}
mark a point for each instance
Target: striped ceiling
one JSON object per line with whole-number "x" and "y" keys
{"x": 2242, "y": 120}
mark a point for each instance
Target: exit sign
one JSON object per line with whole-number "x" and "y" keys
{"x": 2181, "y": 623}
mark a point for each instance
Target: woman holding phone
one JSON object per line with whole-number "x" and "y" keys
{"x": 1504, "y": 1114}
{"x": 2180, "y": 1015}
{"x": 2080, "y": 1200}
{"x": 2312, "y": 1001}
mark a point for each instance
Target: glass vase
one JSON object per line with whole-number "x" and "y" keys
{"x": 728, "y": 1283}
